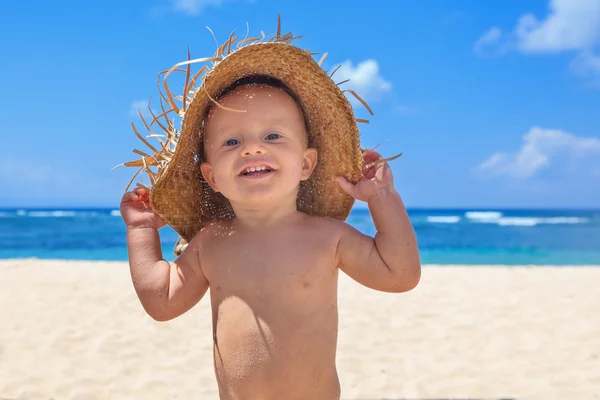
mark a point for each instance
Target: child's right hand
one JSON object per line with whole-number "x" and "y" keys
{"x": 136, "y": 211}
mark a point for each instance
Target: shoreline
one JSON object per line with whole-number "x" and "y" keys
{"x": 424, "y": 265}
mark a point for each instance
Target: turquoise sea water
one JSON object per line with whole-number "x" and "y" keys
{"x": 450, "y": 236}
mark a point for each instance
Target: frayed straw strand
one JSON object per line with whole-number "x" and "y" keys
{"x": 219, "y": 104}
{"x": 142, "y": 138}
{"x": 322, "y": 58}
{"x": 146, "y": 125}
{"x": 336, "y": 68}
{"x": 187, "y": 80}
{"x": 365, "y": 151}
{"x": 245, "y": 37}
{"x": 149, "y": 171}
{"x": 213, "y": 35}
{"x": 170, "y": 99}
{"x": 382, "y": 160}
{"x": 278, "y": 26}
{"x": 133, "y": 178}
{"x": 359, "y": 99}
{"x": 155, "y": 119}
{"x": 231, "y": 40}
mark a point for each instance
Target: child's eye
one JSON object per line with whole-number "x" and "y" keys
{"x": 232, "y": 142}
{"x": 273, "y": 136}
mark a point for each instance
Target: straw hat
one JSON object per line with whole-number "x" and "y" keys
{"x": 178, "y": 191}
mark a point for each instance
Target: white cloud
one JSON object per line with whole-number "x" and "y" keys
{"x": 194, "y": 7}
{"x": 139, "y": 105}
{"x": 540, "y": 148}
{"x": 570, "y": 25}
{"x": 587, "y": 64}
{"x": 365, "y": 80}
{"x": 492, "y": 36}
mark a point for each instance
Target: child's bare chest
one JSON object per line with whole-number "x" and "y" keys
{"x": 283, "y": 262}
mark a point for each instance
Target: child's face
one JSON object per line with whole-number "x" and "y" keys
{"x": 270, "y": 136}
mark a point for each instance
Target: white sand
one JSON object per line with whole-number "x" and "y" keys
{"x": 75, "y": 330}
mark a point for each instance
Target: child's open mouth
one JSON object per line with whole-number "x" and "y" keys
{"x": 255, "y": 172}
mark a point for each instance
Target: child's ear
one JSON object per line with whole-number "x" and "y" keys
{"x": 309, "y": 163}
{"x": 207, "y": 172}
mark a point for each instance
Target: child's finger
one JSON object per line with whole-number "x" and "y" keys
{"x": 129, "y": 196}
{"x": 371, "y": 156}
{"x": 140, "y": 191}
{"x": 372, "y": 165}
{"x": 371, "y": 171}
{"x": 345, "y": 185}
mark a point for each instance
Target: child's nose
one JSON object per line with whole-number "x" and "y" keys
{"x": 252, "y": 147}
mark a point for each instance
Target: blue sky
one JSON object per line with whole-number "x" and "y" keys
{"x": 493, "y": 104}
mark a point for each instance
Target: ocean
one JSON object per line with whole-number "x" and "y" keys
{"x": 448, "y": 236}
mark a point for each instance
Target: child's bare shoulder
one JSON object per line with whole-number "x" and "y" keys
{"x": 209, "y": 240}
{"x": 331, "y": 227}
{"x": 206, "y": 238}
{"x": 212, "y": 232}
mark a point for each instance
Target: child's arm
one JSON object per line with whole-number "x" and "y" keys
{"x": 165, "y": 290}
{"x": 390, "y": 261}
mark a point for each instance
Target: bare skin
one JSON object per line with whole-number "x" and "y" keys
{"x": 272, "y": 271}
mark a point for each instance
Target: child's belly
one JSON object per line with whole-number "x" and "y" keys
{"x": 277, "y": 344}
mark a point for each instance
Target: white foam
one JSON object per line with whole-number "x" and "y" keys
{"x": 565, "y": 220}
{"x": 532, "y": 221}
{"x": 496, "y": 217}
{"x": 443, "y": 219}
{"x": 115, "y": 213}
{"x": 21, "y": 213}
{"x": 51, "y": 213}
{"x": 518, "y": 221}
{"x": 484, "y": 216}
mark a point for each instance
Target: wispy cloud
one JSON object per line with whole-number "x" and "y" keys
{"x": 540, "y": 149}
{"x": 25, "y": 171}
{"x": 587, "y": 65}
{"x": 194, "y": 7}
{"x": 138, "y": 105}
{"x": 488, "y": 42}
{"x": 364, "y": 79}
{"x": 569, "y": 26}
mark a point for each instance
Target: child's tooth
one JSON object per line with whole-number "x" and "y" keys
{"x": 251, "y": 169}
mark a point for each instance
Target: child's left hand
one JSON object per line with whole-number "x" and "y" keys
{"x": 374, "y": 178}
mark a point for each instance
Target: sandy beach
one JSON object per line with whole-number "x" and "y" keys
{"x": 75, "y": 330}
